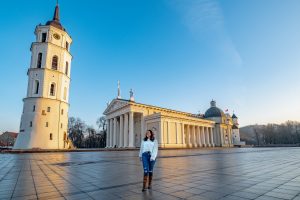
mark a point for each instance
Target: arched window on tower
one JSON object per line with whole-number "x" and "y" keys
{"x": 52, "y": 89}
{"x": 37, "y": 85}
{"x": 54, "y": 62}
{"x": 67, "y": 68}
{"x": 39, "y": 60}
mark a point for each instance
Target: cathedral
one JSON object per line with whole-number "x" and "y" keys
{"x": 44, "y": 121}
{"x": 128, "y": 120}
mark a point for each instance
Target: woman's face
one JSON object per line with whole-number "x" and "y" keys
{"x": 148, "y": 134}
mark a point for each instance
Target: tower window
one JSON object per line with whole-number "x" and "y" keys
{"x": 48, "y": 109}
{"x": 67, "y": 68}
{"x": 54, "y": 62}
{"x": 39, "y": 61}
{"x": 30, "y": 124}
{"x": 52, "y": 89}
{"x": 47, "y": 124}
{"x": 33, "y": 108}
{"x": 67, "y": 45}
{"x": 37, "y": 85}
{"x": 51, "y": 136}
{"x": 62, "y": 111}
{"x": 44, "y": 37}
{"x": 61, "y": 125}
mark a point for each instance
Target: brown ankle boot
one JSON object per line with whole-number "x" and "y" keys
{"x": 150, "y": 180}
{"x": 145, "y": 182}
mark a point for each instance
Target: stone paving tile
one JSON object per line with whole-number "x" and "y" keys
{"x": 229, "y": 174}
{"x": 280, "y": 195}
{"x": 248, "y": 195}
{"x": 267, "y": 198}
{"x": 230, "y": 197}
{"x": 297, "y": 197}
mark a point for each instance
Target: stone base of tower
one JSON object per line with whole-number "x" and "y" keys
{"x": 44, "y": 124}
{"x": 24, "y": 142}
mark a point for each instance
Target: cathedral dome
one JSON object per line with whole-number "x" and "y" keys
{"x": 214, "y": 111}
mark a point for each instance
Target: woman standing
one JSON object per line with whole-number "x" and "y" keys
{"x": 148, "y": 153}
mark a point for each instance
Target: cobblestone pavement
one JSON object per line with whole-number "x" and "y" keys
{"x": 242, "y": 173}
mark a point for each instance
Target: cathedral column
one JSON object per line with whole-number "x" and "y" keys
{"x": 211, "y": 137}
{"x": 131, "y": 131}
{"x": 191, "y": 136}
{"x": 121, "y": 136}
{"x": 221, "y": 136}
{"x": 194, "y": 142}
{"x": 182, "y": 134}
{"x": 188, "y": 136}
{"x": 199, "y": 136}
{"x": 107, "y": 133}
{"x": 111, "y": 133}
{"x": 208, "y": 136}
{"x": 203, "y": 136}
{"x": 143, "y": 131}
{"x": 115, "y": 132}
{"x": 161, "y": 134}
{"x": 125, "y": 130}
{"x": 229, "y": 137}
{"x": 206, "y": 142}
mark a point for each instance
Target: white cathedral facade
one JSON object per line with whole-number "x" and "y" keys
{"x": 45, "y": 112}
{"x": 127, "y": 122}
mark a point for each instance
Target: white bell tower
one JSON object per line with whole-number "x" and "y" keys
{"x": 44, "y": 122}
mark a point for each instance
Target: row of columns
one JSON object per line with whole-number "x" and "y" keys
{"x": 199, "y": 136}
{"x": 120, "y": 131}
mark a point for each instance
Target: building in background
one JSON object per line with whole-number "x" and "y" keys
{"x": 7, "y": 139}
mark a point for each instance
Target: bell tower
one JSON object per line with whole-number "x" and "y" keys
{"x": 44, "y": 121}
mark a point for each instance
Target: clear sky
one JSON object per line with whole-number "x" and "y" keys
{"x": 178, "y": 54}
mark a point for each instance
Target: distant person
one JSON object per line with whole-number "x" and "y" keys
{"x": 148, "y": 153}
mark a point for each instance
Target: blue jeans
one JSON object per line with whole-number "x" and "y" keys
{"x": 147, "y": 164}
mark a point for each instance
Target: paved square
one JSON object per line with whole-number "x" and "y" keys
{"x": 265, "y": 173}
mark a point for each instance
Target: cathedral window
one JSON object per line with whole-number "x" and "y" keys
{"x": 51, "y": 136}
{"x": 67, "y": 68}
{"x": 39, "y": 61}
{"x": 52, "y": 89}
{"x": 62, "y": 111}
{"x": 61, "y": 125}
{"x": 44, "y": 37}
{"x": 54, "y": 62}
{"x": 47, "y": 124}
{"x": 48, "y": 109}
{"x": 33, "y": 108}
{"x": 37, "y": 85}
{"x": 30, "y": 124}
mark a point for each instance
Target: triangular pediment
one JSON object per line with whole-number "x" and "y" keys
{"x": 115, "y": 105}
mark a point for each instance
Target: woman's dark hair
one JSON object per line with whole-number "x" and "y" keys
{"x": 151, "y": 136}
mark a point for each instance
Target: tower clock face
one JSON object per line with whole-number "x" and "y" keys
{"x": 56, "y": 36}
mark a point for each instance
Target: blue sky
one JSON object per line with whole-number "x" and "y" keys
{"x": 178, "y": 54}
